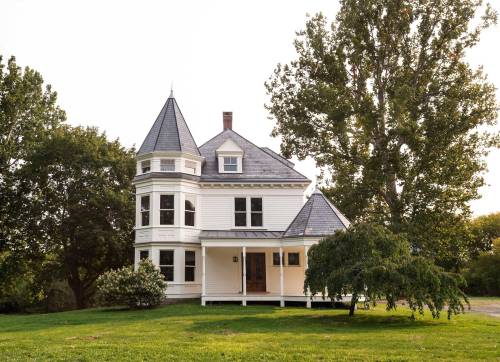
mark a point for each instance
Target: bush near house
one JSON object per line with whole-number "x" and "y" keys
{"x": 144, "y": 288}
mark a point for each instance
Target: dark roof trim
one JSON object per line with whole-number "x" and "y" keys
{"x": 240, "y": 234}
{"x": 253, "y": 180}
{"x": 185, "y": 176}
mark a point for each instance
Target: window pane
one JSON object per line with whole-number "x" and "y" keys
{"x": 276, "y": 258}
{"x": 256, "y": 218}
{"x": 190, "y": 258}
{"x": 144, "y": 203}
{"x": 293, "y": 258}
{"x": 189, "y": 218}
{"x": 188, "y": 205}
{"x": 189, "y": 274}
{"x": 146, "y": 166}
{"x": 168, "y": 273}
{"x": 230, "y": 168}
{"x": 167, "y": 165}
{"x": 166, "y": 217}
{"x": 145, "y": 218}
{"x": 166, "y": 257}
{"x": 256, "y": 203}
{"x": 240, "y": 204}
{"x": 143, "y": 254}
{"x": 166, "y": 201}
{"x": 240, "y": 219}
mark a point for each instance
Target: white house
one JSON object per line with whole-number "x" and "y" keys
{"x": 226, "y": 221}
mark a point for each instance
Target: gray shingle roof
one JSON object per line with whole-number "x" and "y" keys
{"x": 169, "y": 132}
{"x": 258, "y": 164}
{"x": 318, "y": 217}
{"x": 240, "y": 234}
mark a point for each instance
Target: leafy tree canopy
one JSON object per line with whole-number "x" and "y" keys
{"x": 384, "y": 101}
{"x": 370, "y": 261}
{"x": 485, "y": 229}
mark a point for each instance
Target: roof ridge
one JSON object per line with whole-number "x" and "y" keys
{"x": 296, "y": 216}
{"x": 176, "y": 123}
{"x": 175, "y": 103}
{"x": 336, "y": 211}
{"x": 279, "y": 157}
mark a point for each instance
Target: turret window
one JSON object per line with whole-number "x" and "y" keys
{"x": 190, "y": 167}
{"x": 167, "y": 165}
{"x": 189, "y": 213}
{"x": 146, "y": 166}
{"x": 145, "y": 210}
{"x": 167, "y": 210}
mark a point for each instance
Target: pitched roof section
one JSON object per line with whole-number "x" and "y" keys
{"x": 169, "y": 132}
{"x": 258, "y": 164}
{"x": 318, "y": 217}
{"x": 240, "y": 234}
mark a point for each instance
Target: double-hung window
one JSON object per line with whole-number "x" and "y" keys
{"x": 189, "y": 265}
{"x": 167, "y": 210}
{"x": 256, "y": 211}
{"x": 143, "y": 254}
{"x": 167, "y": 165}
{"x": 167, "y": 264}
{"x": 145, "y": 210}
{"x": 240, "y": 211}
{"x": 189, "y": 213}
{"x": 230, "y": 164}
{"x": 146, "y": 166}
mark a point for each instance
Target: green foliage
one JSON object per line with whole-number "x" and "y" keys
{"x": 386, "y": 103}
{"x": 484, "y": 230}
{"x": 81, "y": 207}
{"x": 372, "y": 262}
{"x": 483, "y": 274}
{"x": 144, "y": 288}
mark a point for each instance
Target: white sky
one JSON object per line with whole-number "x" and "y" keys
{"x": 112, "y": 63}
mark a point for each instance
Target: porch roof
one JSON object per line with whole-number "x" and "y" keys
{"x": 240, "y": 234}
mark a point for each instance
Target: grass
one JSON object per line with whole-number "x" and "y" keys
{"x": 230, "y": 332}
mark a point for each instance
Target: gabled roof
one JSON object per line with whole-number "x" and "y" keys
{"x": 169, "y": 132}
{"x": 318, "y": 217}
{"x": 258, "y": 164}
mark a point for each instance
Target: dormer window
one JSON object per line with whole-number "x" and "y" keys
{"x": 167, "y": 165}
{"x": 146, "y": 166}
{"x": 230, "y": 164}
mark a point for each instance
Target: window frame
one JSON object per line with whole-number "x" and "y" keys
{"x": 288, "y": 258}
{"x": 282, "y": 257}
{"x": 160, "y": 265}
{"x": 261, "y": 212}
{"x": 144, "y": 211}
{"x": 186, "y": 266}
{"x": 186, "y": 212}
{"x": 248, "y": 212}
{"x": 166, "y": 210}
{"x": 171, "y": 162}
{"x": 245, "y": 212}
{"x": 143, "y": 251}
{"x": 231, "y": 164}
{"x": 191, "y": 166}
{"x": 147, "y": 168}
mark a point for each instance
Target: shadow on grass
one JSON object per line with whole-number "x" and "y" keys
{"x": 310, "y": 324}
{"x": 120, "y": 316}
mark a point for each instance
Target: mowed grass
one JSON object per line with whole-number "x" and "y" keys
{"x": 230, "y": 332}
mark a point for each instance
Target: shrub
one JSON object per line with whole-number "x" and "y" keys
{"x": 144, "y": 288}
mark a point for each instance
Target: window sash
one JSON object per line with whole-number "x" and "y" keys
{"x": 145, "y": 208}
{"x": 167, "y": 209}
{"x": 143, "y": 254}
{"x": 276, "y": 259}
{"x": 146, "y": 166}
{"x": 230, "y": 164}
{"x": 189, "y": 266}
{"x": 167, "y": 165}
{"x": 166, "y": 264}
{"x": 256, "y": 217}
{"x": 295, "y": 260}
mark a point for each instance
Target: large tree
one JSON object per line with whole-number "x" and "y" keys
{"x": 81, "y": 209}
{"x": 386, "y": 103}
{"x": 28, "y": 114}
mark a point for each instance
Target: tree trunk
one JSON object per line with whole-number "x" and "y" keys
{"x": 79, "y": 293}
{"x": 352, "y": 308}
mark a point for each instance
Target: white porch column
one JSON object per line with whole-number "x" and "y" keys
{"x": 203, "y": 275}
{"x": 244, "y": 261}
{"x": 282, "y": 301}
{"x": 306, "y": 262}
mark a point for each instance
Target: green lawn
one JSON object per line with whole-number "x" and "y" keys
{"x": 191, "y": 332}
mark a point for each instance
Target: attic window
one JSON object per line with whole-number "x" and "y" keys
{"x": 146, "y": 166}
{"x": 167, "y": 165}
{"x": 230, "y": 164}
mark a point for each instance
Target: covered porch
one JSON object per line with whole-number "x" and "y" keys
{"x": 259, "y": 268}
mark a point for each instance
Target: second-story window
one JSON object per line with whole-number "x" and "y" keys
{"x": 189, "y": 213}
{"x": 167, "y": 165}
{"x": 145, "y": 210}
{"x": 230, "y": 164}
{"x": 146, "y": 166}
{"x": 256, "y": 211}
{"x": 240, "y": 211}
{"x": 167, "y": 210}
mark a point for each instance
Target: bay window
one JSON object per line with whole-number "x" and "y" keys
{"x": 167, "y": 264}
{"x": 167, "y": 211}
{"x": 189, "y": 265}
{"x": 167, "y": 165}
{"x": 145, "y": 210}
{"x": 189, "y": 213}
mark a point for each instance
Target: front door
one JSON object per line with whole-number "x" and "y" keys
{"x": 256, "y": 272}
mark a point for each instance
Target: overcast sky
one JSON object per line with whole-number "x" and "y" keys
{"x": 113, "y": 62}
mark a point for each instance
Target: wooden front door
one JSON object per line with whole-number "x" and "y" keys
{"x": 256, "y": 272}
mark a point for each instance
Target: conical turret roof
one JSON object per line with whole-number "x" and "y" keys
{"x": 318, "y": 217}
{"x": 169, "y": 132}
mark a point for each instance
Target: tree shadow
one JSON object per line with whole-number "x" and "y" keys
{"x": 310, "y": 324}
